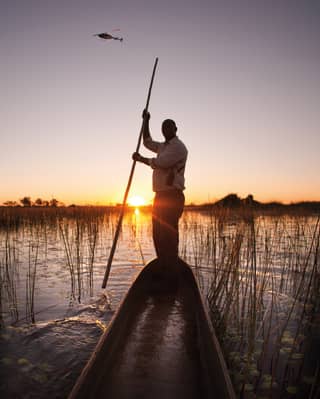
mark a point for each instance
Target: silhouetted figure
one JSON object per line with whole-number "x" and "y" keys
{"x": 168, "y": 184}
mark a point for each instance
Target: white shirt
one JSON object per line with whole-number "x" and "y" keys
{"x": 169, "y": 165}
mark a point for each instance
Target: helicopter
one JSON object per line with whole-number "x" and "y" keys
{"x": 108, "y": 36}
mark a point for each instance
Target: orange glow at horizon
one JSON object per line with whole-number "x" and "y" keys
{"x": 136, "y": 201}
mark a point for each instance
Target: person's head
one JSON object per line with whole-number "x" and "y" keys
{"x": 169, "y": 129}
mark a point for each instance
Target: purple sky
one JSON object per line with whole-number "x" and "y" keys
{"x": 241, "y": 79}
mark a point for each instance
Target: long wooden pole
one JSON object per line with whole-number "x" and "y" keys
{"x": 116, "y": 236}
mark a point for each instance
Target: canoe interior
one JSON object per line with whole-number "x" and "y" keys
{"x": 160, "y": 344}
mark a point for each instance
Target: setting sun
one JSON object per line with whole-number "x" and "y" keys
{"x": 137, "y": 200}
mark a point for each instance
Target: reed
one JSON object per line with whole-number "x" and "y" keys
{"x": 93, "y": 229}
{"x": 136, "y": 232}
{"x": 31, "y": 279}
{"x": 64, "y": 231}
{"x": 9, "y": 277}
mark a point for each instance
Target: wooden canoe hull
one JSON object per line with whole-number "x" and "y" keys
{"x": 159, "y": 344}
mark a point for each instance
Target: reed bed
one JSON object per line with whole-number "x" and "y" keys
{"x": 24, "y": 235}
{"x": 75, "y": 239}
{"x": 80, "y": 237}
{"x": 261, "y": 275}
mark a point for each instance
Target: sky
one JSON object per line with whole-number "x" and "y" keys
{"x": 240, "y": 78}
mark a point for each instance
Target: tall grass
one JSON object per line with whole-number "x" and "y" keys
{"x": 75, "y": 234}
{"x": 80, "y": 237}
{"x": 262, "y": 285}
{"x": 26, "y": 231}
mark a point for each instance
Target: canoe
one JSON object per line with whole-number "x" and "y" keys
{"x": 159, "y": 344}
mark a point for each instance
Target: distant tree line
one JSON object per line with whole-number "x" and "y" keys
{"x": 39, "y": 202}
{"x": 233, "y": 201}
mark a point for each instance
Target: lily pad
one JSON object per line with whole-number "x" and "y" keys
{"x": 253, "y": 372}
{"x": 292, "y": 390}
{"x": 40, "y": 377}
{"x": 267, "y": 382}
{"x": 248, "y": 388}
{"x": 267, "y": 377}
{"x": 285, "y": 350}
{"x": 23, "y": 362}
{"x": 44, "y": 366}
{"x": 287, "y": 340}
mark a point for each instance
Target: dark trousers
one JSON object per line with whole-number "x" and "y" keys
{"x": 167, "y": 209}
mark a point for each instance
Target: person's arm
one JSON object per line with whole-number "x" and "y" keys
{"x": 145, "y": 126}
{"x": 172, "y": 157}
{"x": 139, "y": 158}
{"x": 147, "y": 139}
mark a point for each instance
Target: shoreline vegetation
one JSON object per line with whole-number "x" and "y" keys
{"x": 231, "y": 201}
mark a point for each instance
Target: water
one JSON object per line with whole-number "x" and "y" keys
{"x": 53, "y": 309}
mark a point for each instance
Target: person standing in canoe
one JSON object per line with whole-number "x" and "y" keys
{"x": 168, "y": 184}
